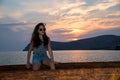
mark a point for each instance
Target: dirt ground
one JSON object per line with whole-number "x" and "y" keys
{"x": 64, "y": 71}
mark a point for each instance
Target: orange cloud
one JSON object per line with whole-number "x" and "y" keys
{"x": 68, "y": 19}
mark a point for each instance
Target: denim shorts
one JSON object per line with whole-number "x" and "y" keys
{"x": 38, "y": 58}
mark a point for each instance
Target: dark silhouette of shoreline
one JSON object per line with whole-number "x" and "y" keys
{"x": 103, "y": 42}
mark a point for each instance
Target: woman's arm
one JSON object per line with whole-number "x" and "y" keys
{"x": 50, "y": 51}
{"x": 29, "y": 52}
{"x": 29, "y": 55}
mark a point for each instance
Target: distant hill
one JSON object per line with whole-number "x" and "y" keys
{"x": 103, "y": 42}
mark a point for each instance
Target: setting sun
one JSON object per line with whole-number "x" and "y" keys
{"x": 74, "y": 39}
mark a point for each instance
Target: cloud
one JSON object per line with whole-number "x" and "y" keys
{"x": 63, "y": 34}
{"x": 115, "y": 8}
{"x": 53, "y": 10}
{"x": 36, "y": 17}
{"x": 8, "y": 20}
{"x": 1, "y": 1}
{"x": 110, "y": 22}
{"x": 82, "y": 26}
{"x": 112, "y": 31}
{"x": 62, "y": 37}
{"x": 24, "y": 27}
{"x": 61, "y": 30}
{"x": 18, "y": 40}
{"x": 68, "y": 18}
{"x": 105, "y": 4}
{"x": 66, "y": 9}
{"x": 114, "y": 15}
{"x": 53, "y": 7}
{"x": 10, "y": 6}
{"x": 16, "y": 27}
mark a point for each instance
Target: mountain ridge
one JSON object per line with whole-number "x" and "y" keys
{"x": 102, "y": 42}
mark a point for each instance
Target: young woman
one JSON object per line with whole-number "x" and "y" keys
{"x": 40, "y": 43}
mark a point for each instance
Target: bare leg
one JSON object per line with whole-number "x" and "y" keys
{"x": 49, "y": 63}
{"x": 36, "y": 66}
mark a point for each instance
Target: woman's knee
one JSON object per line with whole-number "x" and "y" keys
{"x": 36, "y": 66}
{"x": 35, "y": 69}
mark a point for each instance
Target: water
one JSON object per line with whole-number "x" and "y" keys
{"x": 64, "y": 56}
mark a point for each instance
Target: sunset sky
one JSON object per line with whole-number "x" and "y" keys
{"x": 66, "y": 20}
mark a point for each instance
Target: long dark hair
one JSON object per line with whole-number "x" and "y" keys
{"x": 35, "y": 36}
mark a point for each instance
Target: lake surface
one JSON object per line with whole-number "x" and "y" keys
{"x": 63, "y": 56}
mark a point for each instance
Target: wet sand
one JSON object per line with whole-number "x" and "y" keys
{"x": 64, "y": 71}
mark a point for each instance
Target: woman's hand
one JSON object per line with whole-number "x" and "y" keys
{"x": 55, "y": 62}
{"x": 28, "y": 65}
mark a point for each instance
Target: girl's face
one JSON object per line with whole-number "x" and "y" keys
{"x": 41, "y": 30}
